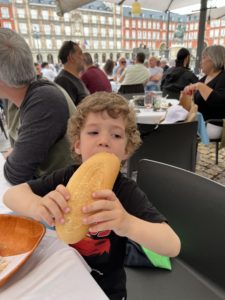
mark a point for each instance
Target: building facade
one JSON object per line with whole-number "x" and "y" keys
{"x": 6, "y": 14}
{"x": 104, "y": 29}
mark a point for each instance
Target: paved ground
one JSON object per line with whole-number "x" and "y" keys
{"x": 205, "y": 163}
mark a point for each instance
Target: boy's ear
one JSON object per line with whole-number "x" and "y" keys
{"x": 77, "y": 147}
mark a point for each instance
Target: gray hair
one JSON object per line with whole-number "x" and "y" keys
{"x": 16, "y": 61}
{"x": 216, "y": 53}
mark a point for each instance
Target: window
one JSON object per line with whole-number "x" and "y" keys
{"x": 144, "y": 24}
{"x": 45, "y": 14}
{"x": 58, "y": 44}
{"x": 23, "y": 28}
{"x": 118, "y": 44}
{"x": 133, "y": 34}
{"x": 21, "y": 13}
{"x": 95, "y": 44}
{"x": 34, "y": 13}
{"x": 117, "y": 9}
{"x": 48, "y": 44}
{"x": 5, "y": 12}
{"x": 47, "y": 29}
{"x": 85, "y": 18}
{"x": 139, "y": 24}
{"x": 86, "y": 31}
{"x": 133, "y": 44}
{"x": 103, "y": 32}
{"x": 7, "y": 25}
{"x": 127, "y": 34}
{"x": 57, "y": 29}
{"x": 127, "y": 45}
{"x": 111, "y": 44}
{"x": 67, "y": 30}
{"x": 133, "y": 24}
{"x": 149, "y": 35}
{"x": 118, "y": 33}
{"x": 95, "y": 31}
{"x": 103, "y": 44}
{"x": 102, "y": 19}
{"x": 217, "y": 32}
{"x": 110, "y": 32}
{"x": 127, "y": 23}
{"x": 110, "y": 20}
{"x": 66, "y": 17}
{"x": 94, "y": 19}
{"x": 139, "y": 35}
{"x": 118, "y": 21}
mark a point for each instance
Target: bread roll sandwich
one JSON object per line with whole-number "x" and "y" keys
{"x": 97, "y": 173}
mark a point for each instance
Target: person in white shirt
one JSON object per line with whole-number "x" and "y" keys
{"x": 135, "y": 74}
{"x": 47, "y": 72}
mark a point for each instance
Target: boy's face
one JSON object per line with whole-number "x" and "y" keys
{"x": 101, "y": 133}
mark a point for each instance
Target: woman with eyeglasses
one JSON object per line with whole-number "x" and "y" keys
{"x": 120, "y": 68}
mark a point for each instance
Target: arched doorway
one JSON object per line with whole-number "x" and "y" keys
{"x": 50, "y": 58}
{"x": 111, "y": 56}
{"x": 39, "y": 58}
{"x": 96, "y": 58}
{"x": 103, "y": 57}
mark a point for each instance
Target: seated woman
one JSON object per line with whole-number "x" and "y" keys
{"x": 176, "y": 78}
{"x": 209, "y": 92}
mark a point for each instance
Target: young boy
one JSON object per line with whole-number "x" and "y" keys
{"x": 102, "y": 122}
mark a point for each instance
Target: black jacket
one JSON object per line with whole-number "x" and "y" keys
{"x": 174, "y": 81}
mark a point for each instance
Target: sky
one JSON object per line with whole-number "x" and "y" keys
{"x": 195, "y": 8}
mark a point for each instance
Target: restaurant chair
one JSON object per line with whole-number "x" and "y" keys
{"x": 216, "y": 141}
{"x": 175, "y": 144}
{"x": 131, "y": 89}
{"x": 195, "y": 208}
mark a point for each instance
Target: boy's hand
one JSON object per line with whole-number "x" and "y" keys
{"x": 106, "y": 213}
{"x": 52, "y": 206}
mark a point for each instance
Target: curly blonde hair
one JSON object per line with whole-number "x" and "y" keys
{"x": 115, "y": 106}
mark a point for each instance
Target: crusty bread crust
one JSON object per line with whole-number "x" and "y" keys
{"x": 97, "y": 173}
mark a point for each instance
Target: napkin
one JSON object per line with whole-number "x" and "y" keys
{"x": 175, "y": 114}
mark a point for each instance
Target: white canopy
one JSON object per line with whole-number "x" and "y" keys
{"x": 163, "y": 5}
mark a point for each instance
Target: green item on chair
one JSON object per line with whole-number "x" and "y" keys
{"x": 157, "y": 260}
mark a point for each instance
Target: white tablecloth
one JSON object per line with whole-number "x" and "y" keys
{"x": 54, "y": 271}
{"x": 148, "y": 116}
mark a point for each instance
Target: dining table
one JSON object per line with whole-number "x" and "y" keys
{"x": 150, "y": 116}
{"x": 54, "y": 271}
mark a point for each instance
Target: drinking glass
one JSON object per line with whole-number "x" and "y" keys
{"x": 148, "y": 99}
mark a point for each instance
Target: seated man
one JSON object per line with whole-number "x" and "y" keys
{"x": 93, "y": 77}
{"x": 39, "y": 144}
{"x": 136, "y": 74}
{"x": 72, "y": 59}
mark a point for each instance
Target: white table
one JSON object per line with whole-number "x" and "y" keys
{"x": 54, "y": 271}
{"x": 148, "y": 116}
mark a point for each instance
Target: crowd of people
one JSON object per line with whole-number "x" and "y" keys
{"x": 45, "y": 107}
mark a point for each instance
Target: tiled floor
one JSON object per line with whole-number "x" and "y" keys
{"x": 205, "y": 165}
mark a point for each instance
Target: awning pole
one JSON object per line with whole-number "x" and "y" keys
{"x": 201, "y": 34}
